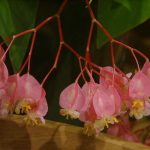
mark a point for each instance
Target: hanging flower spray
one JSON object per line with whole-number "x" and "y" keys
{"x": 107, "y": 104}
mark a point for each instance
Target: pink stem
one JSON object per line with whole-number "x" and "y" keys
{"x": 54, "y": 65}
{"x": 30, "y": 51}
{"x": 80, "y": 65}
{"x": 90, "y": 10}
{"x": 62, "y": 7}
{"x": 4, "y": 55}
{"x": 44, "y": 23}
{"x": 130, "y": 48}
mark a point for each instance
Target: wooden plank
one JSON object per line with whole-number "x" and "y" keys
{"x": 15, "y": 135}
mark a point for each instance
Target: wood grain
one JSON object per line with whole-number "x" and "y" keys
{"x": 15, "y": 135}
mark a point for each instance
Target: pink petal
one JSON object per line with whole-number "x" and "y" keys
{"x": 88, "y": 115}
{"x": 43, "y": 108}
{"x": 103, "y": 104}
{"x": 3, "y": 74}
{"x": 89, "y": 89}
{"x": 146, "y": 69}
{"x": 29, "y": 87}
{"x": 71, "y": 97}
{"x": 114, "y": 96}
{"x": 11, "y": 87}
{"x": 139, "y": 86}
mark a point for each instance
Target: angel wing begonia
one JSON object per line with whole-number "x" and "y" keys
{"x": 139, "y": 92}
{"x": 120, "y": 82}
{"x": 71, "y": 100}
{"x": 30, "y": 99}
{"x": 107, "y": 105}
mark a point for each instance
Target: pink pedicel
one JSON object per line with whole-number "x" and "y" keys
{"x": 1, "y": 52}
{"x": 71, "y": 100}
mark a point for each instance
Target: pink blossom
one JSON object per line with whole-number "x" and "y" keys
{"x": 27, "y": 97}
{"x": 88, "y": 90}
{"x": 102, "y": 106}
{"x": 71, "y": 100}
{"x": 107, "y": 105}
{"x": 139, "y": 93}
{"x": 110, "y": 76}
{"x": 87, "y": 113}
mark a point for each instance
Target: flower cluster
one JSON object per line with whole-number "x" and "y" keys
{"x": 22, "y": 94}
{"x": 102, "y": 104}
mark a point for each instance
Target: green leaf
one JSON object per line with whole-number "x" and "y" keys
{"x": 17, "y": 16}
{"x": 119, "y": 16}
{"x": 125, "y": 3}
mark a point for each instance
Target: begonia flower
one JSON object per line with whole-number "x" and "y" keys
{"x": 107, "y": 105}
{"x": 139, "y": 92}
{"x": 71, "y": 100}
{"x": 120, "y": 82}
{"x": 28, "y": 97}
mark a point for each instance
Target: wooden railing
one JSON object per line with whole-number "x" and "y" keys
{"x": 15, "y": 135}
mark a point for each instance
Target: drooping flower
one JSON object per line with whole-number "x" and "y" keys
{"x": 103, "y": 104}
{"x": 107, "y": 105}
{"x": 71, "y": 100}
{"x": 120, "y": 82}
{"x": 87, "y": 113}
{"x": 28, "y": 98}
{"x": 139, "y": 92}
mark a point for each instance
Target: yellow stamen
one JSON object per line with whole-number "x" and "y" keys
{"x": 69, "y": 113}
{"x": 22, "y": 107}
{"x": 137, "y": 109}
{"x": 137, "y": 104}
{"x": 32, "y": 119}
{"x": 89, "y": 129}
{"x": 102, "y": 123}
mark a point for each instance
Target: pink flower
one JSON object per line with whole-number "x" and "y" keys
{"x": 109, "y": 76}
{"x": 139, "y": 92}
{"x": 102, "y": 106}
{"x": 27, "y": 97}
{"x": 107, "y": 105}
{"x": 71, "y": 100}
